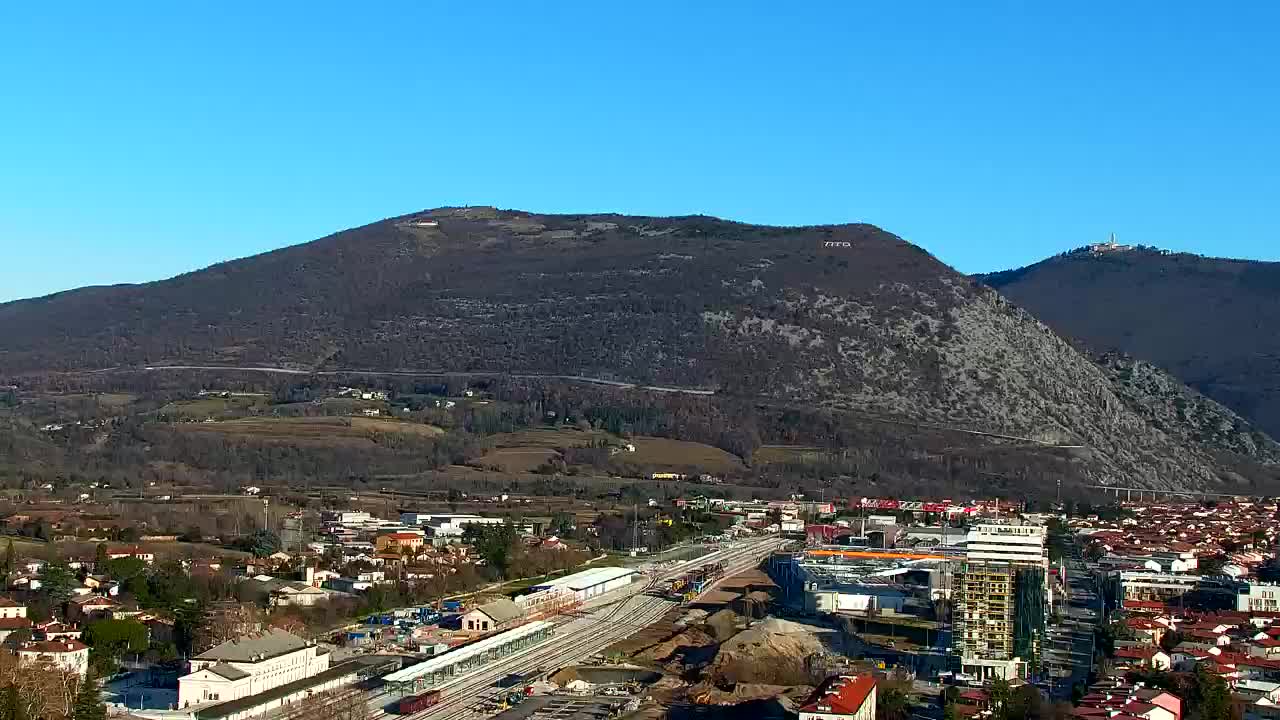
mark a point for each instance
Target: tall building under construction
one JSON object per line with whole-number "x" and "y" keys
{"x": 1000, "y": 591}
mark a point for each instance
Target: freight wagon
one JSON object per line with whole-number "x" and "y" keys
{"x": 418, "y": 703}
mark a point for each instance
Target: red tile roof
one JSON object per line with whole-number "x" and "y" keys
{"x": 842, "y": 695}
{"x": 53, "y": 646}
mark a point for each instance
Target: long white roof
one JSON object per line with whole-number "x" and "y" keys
{"x": 588, "y": 578}
{"x": 451, "y": 657}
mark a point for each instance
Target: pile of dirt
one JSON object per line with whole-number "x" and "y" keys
{"x": 724, "y": 624}
{"x": 694, "y": 640}
{"x": 773, "y": 652}
{"x": 704, "y": 693}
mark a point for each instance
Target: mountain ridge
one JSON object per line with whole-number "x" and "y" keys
{"x": 1206, "y": 320}
{"x": 845, "y": 318}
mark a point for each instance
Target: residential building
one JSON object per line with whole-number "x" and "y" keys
{"x": 299, "y": 594}
{"x": 844, "y": 697}
{"x": 1119, "y": 699}
{"x": 145, "y": 556}
{"x": 1145, "y": 586}
{"x": 1258, "y": 690}
{"x": 1001, "y": 596}
{"x": 11, "y": 609}
{"x": 9, "y": 626}
{"x": 397, "y": 542}
{"x": 249, "y": 665}
{"x": 86, "y": 608}
{"x": 69, "y": 655}
{"x": 53, "y": 630}
{"x": 1143, "y": 656}
{"x": 1258, "y": 597}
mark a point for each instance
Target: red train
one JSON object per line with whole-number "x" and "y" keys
{"x": 418, "y": 703}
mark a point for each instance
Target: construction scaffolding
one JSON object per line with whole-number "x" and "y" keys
{"x": 983, "y": 623}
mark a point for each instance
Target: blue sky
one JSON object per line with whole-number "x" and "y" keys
{"x": 142, "y": 140}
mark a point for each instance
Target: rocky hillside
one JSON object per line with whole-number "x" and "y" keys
{"x": 849, "y": 318}
{"x": 1209, "y": 321}
{"x": 1176, "y": 409}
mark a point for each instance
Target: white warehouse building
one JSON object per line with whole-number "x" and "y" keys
{"x": 591, "y": 583}
{"x": 446, "y": 523}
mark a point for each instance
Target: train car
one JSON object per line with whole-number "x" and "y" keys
{"x": 418, "y": 703}
{"x": 510, "y": 680}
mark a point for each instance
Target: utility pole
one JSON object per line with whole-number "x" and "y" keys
{"x": 635, "y": 527}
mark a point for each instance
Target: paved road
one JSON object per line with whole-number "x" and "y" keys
{"x": 1070, "y": 644}
{"x": 422, "y": 373}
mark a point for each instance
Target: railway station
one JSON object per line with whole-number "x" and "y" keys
{"x": 445, "y": 667}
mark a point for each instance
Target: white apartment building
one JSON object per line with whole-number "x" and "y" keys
{"x": 1258, "y": 597}
{"x": 1023, "y": 544}
{"x": 248, "y": 666}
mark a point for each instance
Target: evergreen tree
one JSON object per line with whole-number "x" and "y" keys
{"x": 89, "y": 705}
{"x": 100, "y": 558}
{"x": 10, "y": 558}
{"x": 1213, "y": 697}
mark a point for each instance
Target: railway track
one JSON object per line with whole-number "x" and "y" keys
{"x": 577, "y": 639}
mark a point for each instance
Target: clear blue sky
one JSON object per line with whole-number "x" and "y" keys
{"x": 139, "y": 140}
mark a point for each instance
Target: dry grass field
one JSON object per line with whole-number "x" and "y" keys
{"x": 548, "y": 438}
{"x": 521, "y": 452}
{"x": 516, "y": 460}
{"x": 785, "y": 453}
{"x": 315, "y": 431}
{"x": 665, "y": 452}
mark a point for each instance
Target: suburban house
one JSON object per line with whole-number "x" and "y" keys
{"x": 90, "y": 607}
{"x": 843, "y": 697}
{"x": 11, "y": 609}
{"x": 69, "y": 655}
{"x": 298, "y": 594}
{"x": 133, "y": 552}
{"x": 1146, "y": 656}
{"x": 13, "y": 617}
{"x": 249, "y": 665}
{"x": 54, "y": 630}
{"x": 492, "y": 616}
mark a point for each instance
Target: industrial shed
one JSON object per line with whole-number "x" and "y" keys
{"x": 592, "y": 583}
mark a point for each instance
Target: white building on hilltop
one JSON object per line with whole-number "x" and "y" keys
{"x": 248, "y": 666}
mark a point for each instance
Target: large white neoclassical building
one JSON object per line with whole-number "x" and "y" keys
{"x": 249, "y": 665}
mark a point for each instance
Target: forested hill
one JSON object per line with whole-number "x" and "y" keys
{"x": 848, "y": 318}
{"x": 1213, "y": 323}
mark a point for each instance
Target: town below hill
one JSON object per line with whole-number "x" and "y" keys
{"x": 812, "y": 607}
